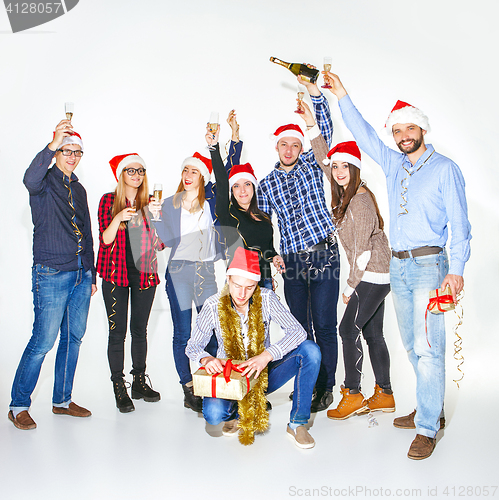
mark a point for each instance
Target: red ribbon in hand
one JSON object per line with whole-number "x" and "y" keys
{"x": 436, "y": 301}
{"x": 228, "y": 368}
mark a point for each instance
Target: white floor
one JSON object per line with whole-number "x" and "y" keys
{"x": 163, "y": 450}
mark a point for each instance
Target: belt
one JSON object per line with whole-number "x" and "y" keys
{"x": 325, "y": 244}
{"x": 416, "y": 252}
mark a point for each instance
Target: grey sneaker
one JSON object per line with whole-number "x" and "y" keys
{"x": 230, "y": 427}
{"x": 301, "y": 437}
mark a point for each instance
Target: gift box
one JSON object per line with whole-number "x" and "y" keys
{"x": 226, "y": 385}
{"x": 441, "y": 301}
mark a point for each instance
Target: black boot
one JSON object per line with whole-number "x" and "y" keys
{"x": 191, "y": 401}
{"x": 123, "y": 401}
{"x": 141, "y": 390}
{"x": 321, "y": 400}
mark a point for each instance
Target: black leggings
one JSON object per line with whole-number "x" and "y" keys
{"x": 364, "y": 312}
{"x": 116, "y": 302}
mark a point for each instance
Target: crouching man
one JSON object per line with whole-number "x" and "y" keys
{"x": 240, "y": 315}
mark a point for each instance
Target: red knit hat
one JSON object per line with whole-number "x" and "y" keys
{"x": 345, "y": 151}
{"x": 200, "y": 162}
{"x": 245, "y": 264}
{"x": 238, "y": 172}
{"x": 122, "y": 161}
{"x": 403, "y": 112}
{"x": 290, "y": 130}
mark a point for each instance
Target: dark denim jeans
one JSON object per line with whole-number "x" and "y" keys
{"x": 61, "y": 300}
{"x": 311, "y": 287}
{"x": 188, "y": 283}
{"x": 303, "y": 363}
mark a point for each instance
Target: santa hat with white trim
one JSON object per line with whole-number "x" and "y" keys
{"x": 403, "y": 112}
{"x": 290, "y": 130}
{"x": 345, "y": 151}
{"x": 202, "y": 163}
{"x": 74, "y": 138}
{"x": 238, "y": 172}
{"x": 122, "y": 161}
{"x": 245, "y": 264}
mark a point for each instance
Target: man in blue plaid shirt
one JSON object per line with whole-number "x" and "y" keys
{"x": 294, "y": 190}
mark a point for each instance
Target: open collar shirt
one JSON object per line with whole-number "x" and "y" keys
{"x": 423, "y": 198}
{"x": 297, "y": 197}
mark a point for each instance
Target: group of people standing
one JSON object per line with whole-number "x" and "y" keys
{"x": 231, "y": 219}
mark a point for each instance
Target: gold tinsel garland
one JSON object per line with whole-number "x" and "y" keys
{"x": 252, "y": 410}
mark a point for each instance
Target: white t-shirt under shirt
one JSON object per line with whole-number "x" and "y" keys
{"x": 197, "y": 242}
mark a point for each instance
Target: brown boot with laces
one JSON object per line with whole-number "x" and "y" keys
{"x": 351, "y": 403}
{"x": 381, "y": 400}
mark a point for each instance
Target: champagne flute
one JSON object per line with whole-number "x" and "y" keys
{"x": 158, "y": 193}
{"x": 69, "y": 110}
{"x": 301, "y": 95}
{"x": 214, "y": 122}
{"x": 327, "y": 67}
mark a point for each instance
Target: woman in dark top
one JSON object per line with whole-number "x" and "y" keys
{"x": 242, "y": 222}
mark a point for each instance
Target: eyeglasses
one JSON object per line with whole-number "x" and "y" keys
{"x": 131, "y": 171}
{"x": 68, "y": 152}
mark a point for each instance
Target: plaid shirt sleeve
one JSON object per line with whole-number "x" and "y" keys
{"x": 324, "y": 121}
{"x": 263, "y": 202}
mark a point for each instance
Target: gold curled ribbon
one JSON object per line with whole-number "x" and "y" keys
{"x": 458, "y": 342}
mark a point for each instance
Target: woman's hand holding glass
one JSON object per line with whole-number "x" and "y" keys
{"x": 155, "y": 207}
{"x": 211, "y": 138}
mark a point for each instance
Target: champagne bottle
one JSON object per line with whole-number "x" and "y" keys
{"x": 308, "y": 74}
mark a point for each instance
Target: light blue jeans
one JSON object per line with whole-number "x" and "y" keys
{"x": 61, "y": 300}
{"x": 303, "y": 363}
{"x": 411, "y": 281}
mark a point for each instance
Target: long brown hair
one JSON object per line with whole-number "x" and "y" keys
{"x": 120, "y": 201}
{"x": 340, "y": 197}
{"x": 179, "y": 195}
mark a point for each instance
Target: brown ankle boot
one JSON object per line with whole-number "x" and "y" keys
{"x": 351, "y": 403}
{"x": 382, "y": 399}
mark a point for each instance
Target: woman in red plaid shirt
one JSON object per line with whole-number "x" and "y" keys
{"x": 127, "y": 265}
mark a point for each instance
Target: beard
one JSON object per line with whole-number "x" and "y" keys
{"x": 411, "y": 148}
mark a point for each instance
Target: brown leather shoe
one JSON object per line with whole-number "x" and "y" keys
{"x": 23, "y": 420}
{"x": 422, "y": 447}
{"x": 74, "y": 411}
{"x": 407, "y": 422}
{"x": 301, "y": 437}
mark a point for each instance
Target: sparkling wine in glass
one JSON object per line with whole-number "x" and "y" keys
{"x": 327, "y": 67}
{"x": 301, "y": 95}
{"x": 214, "y": 122}
{"x": 69, "y": 110}
{"x": 158, "y": 194}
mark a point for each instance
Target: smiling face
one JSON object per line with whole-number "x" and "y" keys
{"x": 408, "y": 137}
{"x": 341, "y": 173}
{"x": 67, "y": 163}
{"x": 243, "y": 191}
{"x": 241, "y": 290}
{"x": 191, "y": 178}
{"x": 289, "y": 149}
{"x": 135, "y": 180}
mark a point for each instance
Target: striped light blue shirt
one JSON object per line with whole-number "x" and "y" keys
{"x": 434, "y": 198}
{"x": 272, "y": 309}
{"x": 297, "y": 197}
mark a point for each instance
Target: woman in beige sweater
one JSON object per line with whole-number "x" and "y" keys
{"x": 360, "y": 229}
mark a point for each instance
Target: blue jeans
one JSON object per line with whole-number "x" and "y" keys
{"x": 411, "y": 281}
{"x": 61, "y": 300}
{"x": 303, "y": 363}
{"x": 311, "y": 287}
{"x": 187, "y": 283}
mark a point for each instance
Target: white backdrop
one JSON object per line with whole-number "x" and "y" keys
{"x": 144, "y": 77}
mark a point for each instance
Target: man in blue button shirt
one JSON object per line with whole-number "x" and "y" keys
{"x": 426, "y": 194}
{"x": 63, "y": 275}
{"x": 294, "y": 190}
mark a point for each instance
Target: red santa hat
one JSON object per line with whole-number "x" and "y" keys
{"x": 238, "y": 172}
{"x": 122, "y": 161}
{"x": 290, "y": 130}
{"x": 245, "y": 264}
{"x": 345, "y": 151}
{"x": 403, "y": 112}
{"x": 74, "y": 138}
{"x": 202, "y": 163}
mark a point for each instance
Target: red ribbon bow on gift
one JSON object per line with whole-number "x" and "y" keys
{"x": 436, "y": 301}
{"x": 228, "y": 368}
